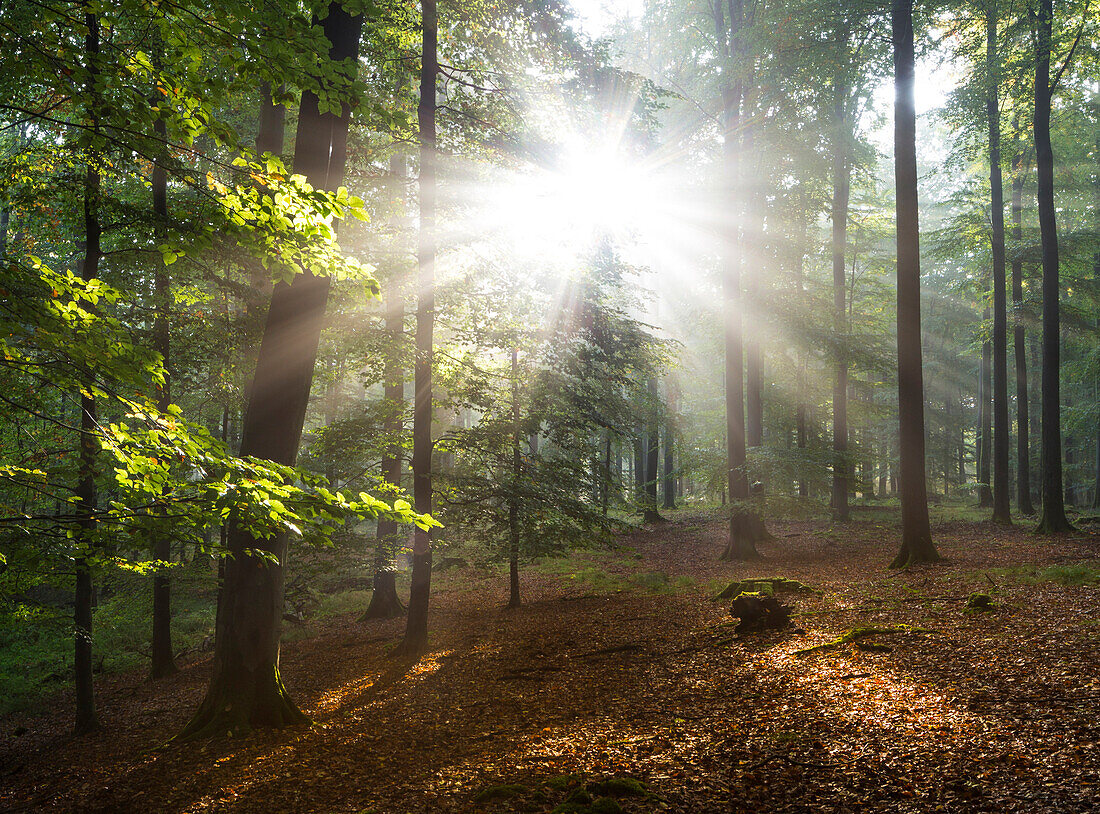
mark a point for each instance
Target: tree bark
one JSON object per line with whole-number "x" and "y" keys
{"x": 669, "y": 481}
{"x": 514, "y": 600}
{"x": 652, "y": 459}
{"x": 86, "y": 718}
{"x": 985, "y": 421}
{"x": 384, "y": 601}
{"x": 916, "y": 534}
{"x": 163, "y": 662}
{"x": 416, "y": 631}
{"x": 246, "y": 689}
{"x": 745, "y": 527}
{"x": 1023, "y": 430}
{"x": 841, "y": 194}
{"x": 1053, "y": 518}
{"x": 1001, "y": 512}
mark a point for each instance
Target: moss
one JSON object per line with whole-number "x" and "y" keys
{"x": 503, "y": 791}
{"x": 979, "y": 603}
{"x": 768, "y": 586}
{"x": 857, "y": 633}
{"x": 619, "y": 787}
{"x": 605, "y": 805}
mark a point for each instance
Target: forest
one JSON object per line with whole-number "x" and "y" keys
{"x": 579, "y": 406}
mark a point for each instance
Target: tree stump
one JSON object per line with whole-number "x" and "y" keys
{"x": 757, "y": 611}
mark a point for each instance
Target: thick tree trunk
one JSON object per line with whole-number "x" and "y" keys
{"x": 745, "y": 527}
{"x": 246, "y": 689}
{"x": 1023, "y": 455}
{"x": 1001, "y": 511}
{"x": 1053, "y": 518}
{"x": 85, "y": 492}
{"x": 416, "y": 632}
{"x": 916, "y": 535}
{"x": 841, "y": 194}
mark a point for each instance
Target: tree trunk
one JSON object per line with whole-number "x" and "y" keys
{"x": 416, "y": 631}
{"x": 745, "y": 527}
{"x": 916, "y": 535}
{"x": 513, "y": 500}
{"x": 384, "y": 601}
{"x": 985, "y": 422}
{"x": 841, "y": 194}
{"x": 1053, "y": 518}
{"x": 652, "y": 459}
{"x": 1001, "y": 512}
{"x": 163, "y": 663}
{"x": 246, "y": 689}
{"x": 1023, "y": 455}
{"x": 669, "y": 482}
{"x": 85, "y": 492}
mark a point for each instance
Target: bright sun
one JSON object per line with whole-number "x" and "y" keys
{"x": 590, "y": 194}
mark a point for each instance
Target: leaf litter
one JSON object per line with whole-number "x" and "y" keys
{"x": 630, "y": 699}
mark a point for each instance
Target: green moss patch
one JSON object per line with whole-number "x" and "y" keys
{"x": 855, "y": 634}
{"x": 769, "y": 586}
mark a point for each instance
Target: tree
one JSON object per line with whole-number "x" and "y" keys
{"x": 416, "y": 631}
{"x": 246, "y": 689}
{"x": 745, "y": 527}
{"x": 1053, "y": 518}
{"x": 1023, "y": 422}
{"x": 1000, "y": 306}
{"x": 841, "y": 190}
{"x": 384, "y": 601}
{"x": 916, "y": 534}
{"x": 86, "y": 491}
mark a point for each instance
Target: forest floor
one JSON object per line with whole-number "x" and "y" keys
{"x": 622, "y": 666}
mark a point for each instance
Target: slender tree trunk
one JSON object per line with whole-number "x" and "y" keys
{"x": 669, "y": 481}
{"x": 85, "y": 492}
{"x": 1023, "y": 455}
{"x": 800, "y": 291}
{"x": 1053, "y": 518}
{"x": 916, "y": 534}
{"x": 513, "y": 500}
{"x": 652, "y": 459}
{"x": 163, "y": 662}
{"x": 384, "y": 601}
{"x": 416, "y": 632}
{"x": 985, "y": 422}
{"x": 1096, "y": 284}
{"x": 1001, "y": 511}
{"x": 841, "y": 194}
{"x": 246, "y": 689}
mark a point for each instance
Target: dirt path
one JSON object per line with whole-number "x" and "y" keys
{"x": 989, "y": 712}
